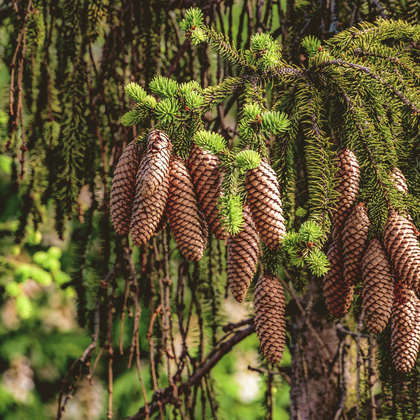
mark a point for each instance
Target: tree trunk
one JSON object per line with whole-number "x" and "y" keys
{"x": 319, "y": 355}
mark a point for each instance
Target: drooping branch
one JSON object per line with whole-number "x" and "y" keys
{"x": 170, "y": 395}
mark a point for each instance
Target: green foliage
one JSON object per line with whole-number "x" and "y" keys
{"x": 312, "y": 45}
{"x": 210, "y": 141}
{"x": 193, "y": 19}
{"x": 248, "y": 159}
{"x": 164, "y": 87}
{"x": 135, "y": 92}
{"x": 230, "y": 210}
{"x": 304, "y": 246}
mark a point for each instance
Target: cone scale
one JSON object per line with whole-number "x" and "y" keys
{"x": 338, "y": 294}
{"x": 183, "y": 213}
{"x": 156, "y": 167}
{"x": 147, "y": 211}
{"x": 405, "y": 330}
{"x": 403, "y": 248}
{"x": 354, "y": 243}
{"x": 270, "y": 321}
{"x": 265, "y": 204}
{"x": 348, "y": 175}
{"x": 205, "y": 173}
{"x": 123, "y": 189}
{"x": 378, "y": 289}
{"x": 243, "y": 252}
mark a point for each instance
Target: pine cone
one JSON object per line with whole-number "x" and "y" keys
{"x": 122, "y": 190}
{"x": 265, "y": 204}
{"x": 348, "y": 174}
{"x": 162, "y": 223}
{"x": 204, "y": 170}
{"x": 270, "y": 321}
{"x": 354, "y": 240}
{"x": 399, "y": 180}
{"x": 377, "y": 287}
{"x": 242, "y": 259}
{"x": 147, "y": 211}
{"x": 405, "y": 335}
{"x": 403, "y": 248}
{"x": 157, "y": 157}
{"x": 338, "y": 294}
{"x": 183, "y": 214}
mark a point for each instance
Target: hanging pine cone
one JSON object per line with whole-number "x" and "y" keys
{"x": 147, "y": 211}
{"x": 348, "y": 174}
{"x": 122, "y": 190}
{"x": 405, "y": 335}
{"x": 206, "y": 177}
{"x": 354, "y": 241}
{"x": 265, "y": 204}
{"x": 399, "y": 180}
{"x": 377, "y": 287}
{"x": 157, "y": 157}
{"x": 242, "y": 259}
{"x": 270, "y": 321}
{"x": 338, "y": 294}
{"x": 403, "y": 248}
{"x": 183, "y": 214}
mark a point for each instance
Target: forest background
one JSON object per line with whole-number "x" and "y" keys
{"x": 43, "y": 327}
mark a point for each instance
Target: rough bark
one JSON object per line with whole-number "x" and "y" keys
{"x": 316, "y": 387}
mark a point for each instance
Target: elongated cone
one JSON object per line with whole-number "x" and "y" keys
{"x": 378, "y": 289}
{"x": 270, "y": 317}
{"x": 156, "y": 158}
{"x": 243, "y": 252}
{"x": 405, "y": 334}
{"x": 265, "y": 204}
{"x": 349, "y": 175}
{"x": 399, "y": 180}
{"x": 147, "y": 211}
{"x": 354, "y": 242}
{"x": 403, "y": 248}
{"x": 338, "y": 294}
{"x": 122, "y": 190}
{"x": 206, "y": 176}
{"x": 183, "y": 214}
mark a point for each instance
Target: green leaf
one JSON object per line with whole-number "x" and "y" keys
{"x": 207, "y": 140}
{"x": 193, "y": 19}
{"x": 163, "y": 86}
{"x": 135, "y": 92}
{"x": 130, "y": 118}
{"x": 248, "y": 159}
{"x": 317, "y": 262}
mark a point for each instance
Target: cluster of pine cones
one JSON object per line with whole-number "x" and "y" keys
{"x": 390, "y": 271}
{"x": 159, "y": 186}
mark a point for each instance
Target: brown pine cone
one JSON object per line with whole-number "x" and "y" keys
{"x": 405, "y": 335}
{"x": 270, "y": 317}
{"x": 354, "y": 242}
{"x": 157, "y": 157}
{"x": 243, "y": 252}
{"x": 162, "y": 223}
{"x": 265, "y": 204}
{"x": 338, "y": 294}
{"x": 378, "y": 289}
{"x": 403, "y": 248}
{"x": 183, "y": 214}
{"x": 349, "y": 175}
{"x": 147, "y": 211}
{"x": 399, "y": 180}
{"x": 204, "y": 170}
{"x": 122, "y": 190}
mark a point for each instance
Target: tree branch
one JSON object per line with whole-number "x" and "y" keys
{"x": 170, "y": 393}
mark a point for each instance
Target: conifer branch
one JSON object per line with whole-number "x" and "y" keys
{"x": 374, "y": 76}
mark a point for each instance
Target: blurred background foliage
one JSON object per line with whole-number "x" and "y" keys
{"x": 55, "y": 238}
